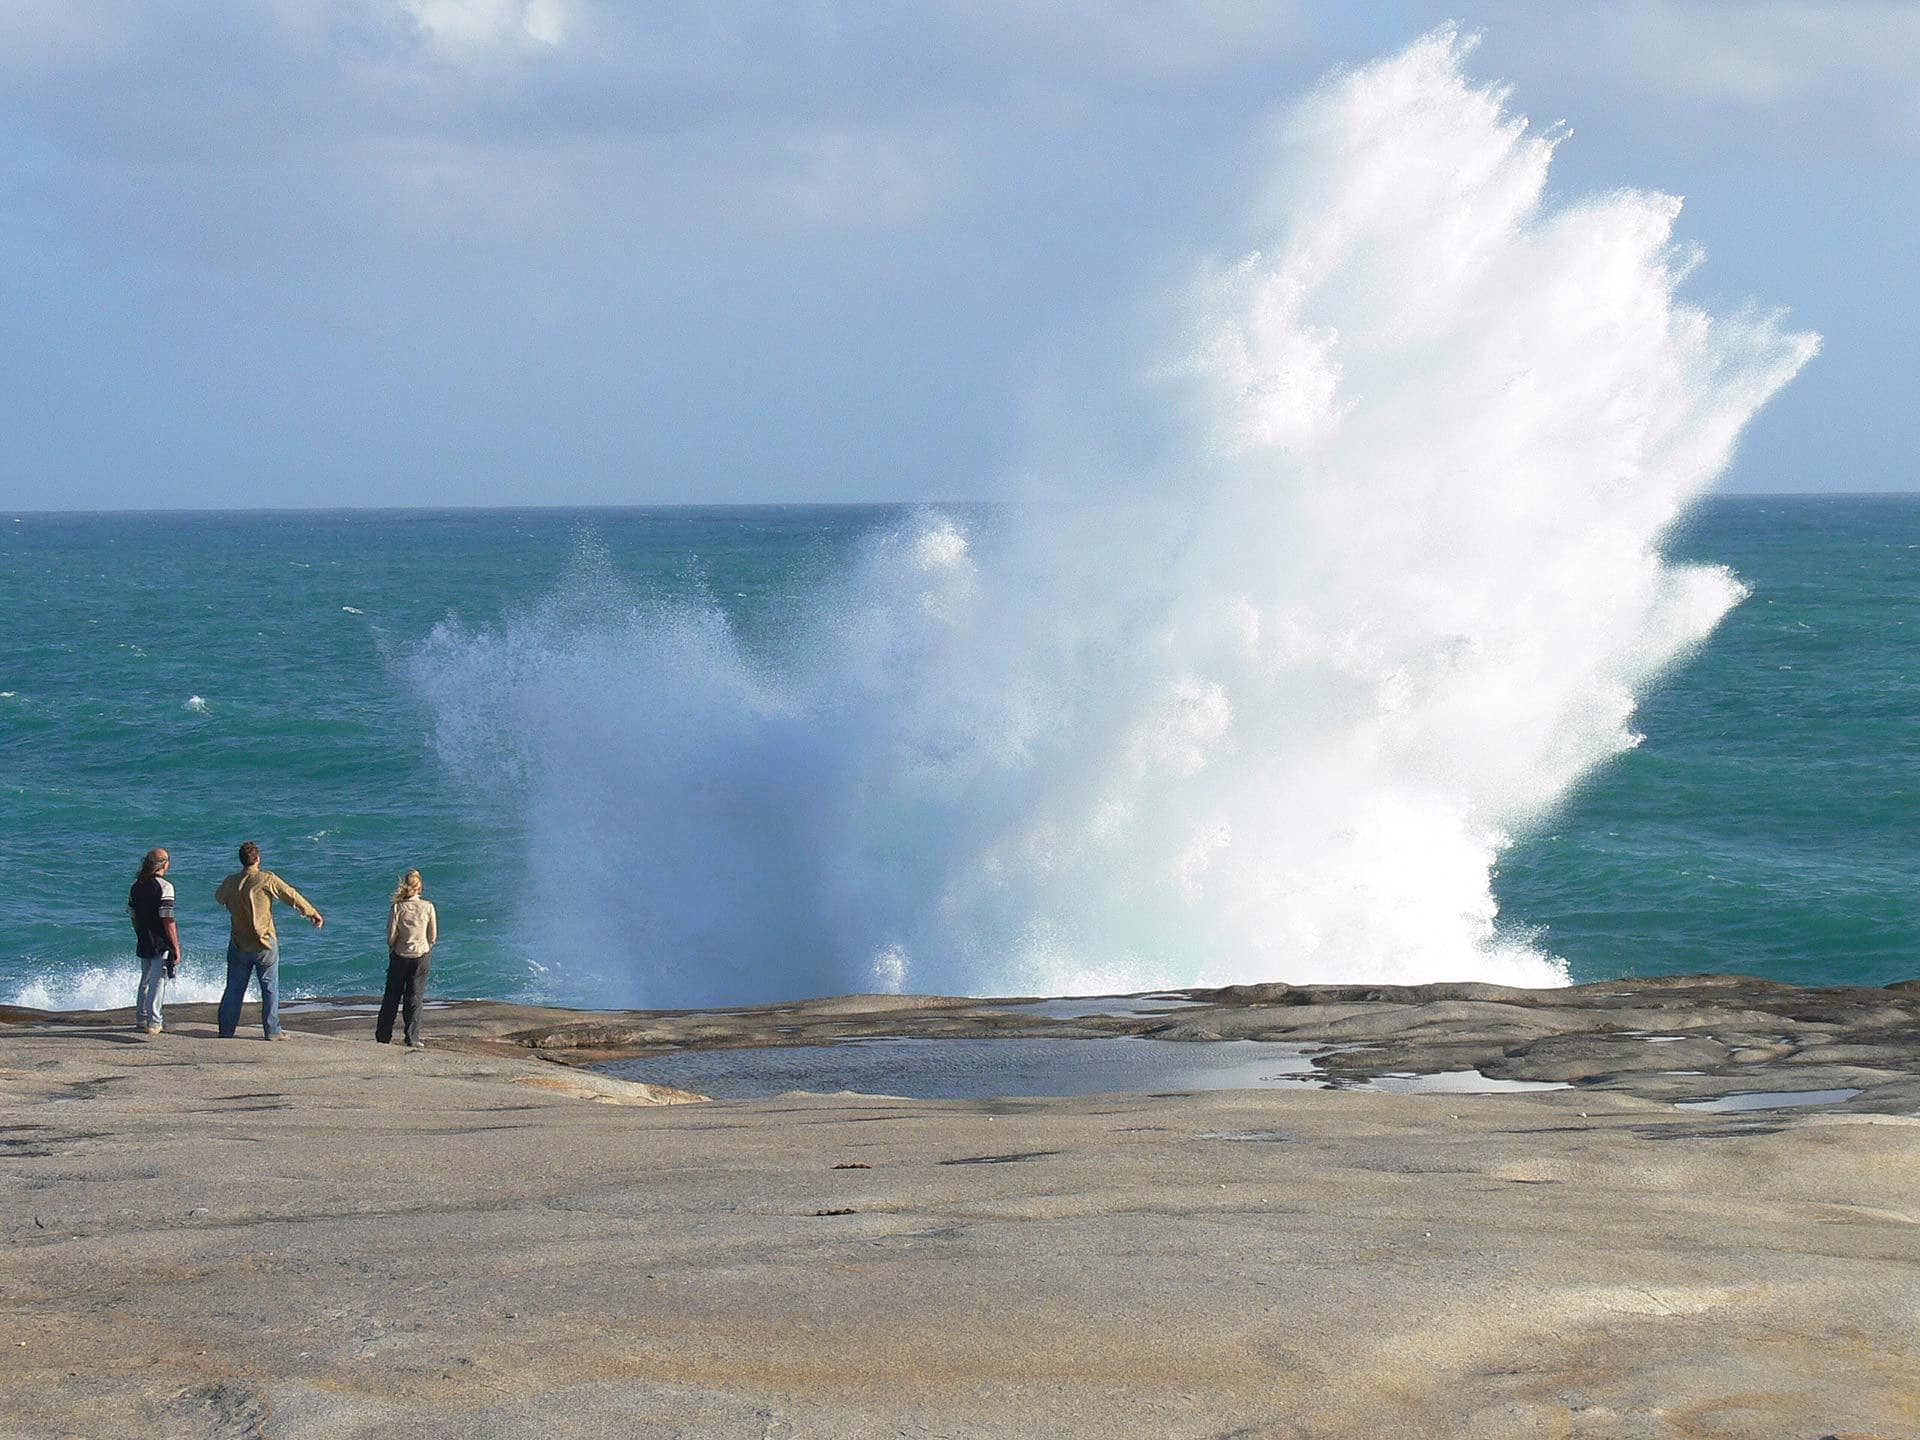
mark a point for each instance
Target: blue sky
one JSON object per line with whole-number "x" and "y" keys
{"x": 448, "y": 252}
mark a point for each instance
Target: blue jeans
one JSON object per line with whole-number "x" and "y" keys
{"x": 241, "y": 967}
{"x": 153, "y": 989}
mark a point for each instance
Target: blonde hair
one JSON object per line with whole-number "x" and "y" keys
{"x": 150, "y": 862}
{"x": 408, "y": 888}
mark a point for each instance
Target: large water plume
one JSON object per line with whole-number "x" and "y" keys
{"x": 1268, "y": 708}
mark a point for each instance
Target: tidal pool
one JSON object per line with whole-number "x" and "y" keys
{"x": 1455, "y": 1082}
{"x": 1001, "y": 1067}
{"x": 979, "y": 1069}
{"x": 1768, "y": 1100}
{"x": 1075, "y": 1007}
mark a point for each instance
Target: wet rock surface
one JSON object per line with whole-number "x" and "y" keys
{"x": 1670, "y": 1039}
{"x": 1690, "y": 1037}
{"x": 332, "y": 1238}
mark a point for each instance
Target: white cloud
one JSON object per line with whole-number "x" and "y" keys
{"x": 1765, "y": 53}
{"x": 822, "y": 114}
{"x": 1842, "y": 69}
{"x": 875, "y": 176}
{"x": 488, "y": 24}
{"x": 1145, "y": 40}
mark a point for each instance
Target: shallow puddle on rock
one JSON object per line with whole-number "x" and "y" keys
{"x": 987, "y": 1068}
{"x": 978, "y": 1068}
{"x": 1767, "y": 1100}
{"x": 1455, "y": 1082}
{"x": 1078, "y": 1007}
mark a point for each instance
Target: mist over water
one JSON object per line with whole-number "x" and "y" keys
{"x": 1269, "y": 705}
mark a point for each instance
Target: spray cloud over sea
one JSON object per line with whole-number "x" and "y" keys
{"x": 1268, "y": 707}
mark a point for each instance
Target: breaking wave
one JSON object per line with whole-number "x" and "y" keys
{"x": 111, "y": 985}
{"x": 1267, "y": 705}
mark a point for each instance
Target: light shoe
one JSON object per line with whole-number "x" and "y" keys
{"x": 280, "y": 1035}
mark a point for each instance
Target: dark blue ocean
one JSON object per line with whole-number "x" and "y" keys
{"x": 194, "y": 680}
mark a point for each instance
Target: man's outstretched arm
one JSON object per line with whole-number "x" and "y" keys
{"x": 280, "y": 890}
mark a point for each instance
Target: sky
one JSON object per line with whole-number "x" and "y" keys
{"x": 304, "y": 253}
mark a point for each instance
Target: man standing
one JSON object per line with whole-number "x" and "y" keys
{"x": 156, "y": 940}
{"x": 254, "y": 948}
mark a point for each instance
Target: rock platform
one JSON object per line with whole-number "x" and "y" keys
{"x": 328, "y": 1238}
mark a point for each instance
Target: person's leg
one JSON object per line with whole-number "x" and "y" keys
{"x": 153, "y": 989}
{"x": 143, "y": 994}
{"x": 416, "y": 992}
{"x": 269, "y": 964}
{"x": 390, "y": 1002}
{"x": 239, "y": 971}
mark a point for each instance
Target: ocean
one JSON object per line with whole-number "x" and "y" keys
{"x": 1365, "y": 617}
{"x": 313, "y": 682}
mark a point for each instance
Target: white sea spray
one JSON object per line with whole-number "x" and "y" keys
{"x": 111, "y": 984}
{"x": 1269, "y": 706}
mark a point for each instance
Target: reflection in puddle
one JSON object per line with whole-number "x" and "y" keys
{"x": 1768, "y": 1100}
{"x": 977, "y": 1069}
{"x": 1455, "y": 1082}
{"x": 982, "y": 1068}
{"x": 1078, "y": 1007}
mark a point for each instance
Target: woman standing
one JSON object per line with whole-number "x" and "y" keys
{"x": 156, "y": 939}
{"x": 412, "y": 929}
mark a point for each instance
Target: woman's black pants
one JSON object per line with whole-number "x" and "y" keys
{"x": 406, "y": 981}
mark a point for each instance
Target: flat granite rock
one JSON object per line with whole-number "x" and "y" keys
{"x": 329, "y": 1238}
{"x": 1665, "y": 1038}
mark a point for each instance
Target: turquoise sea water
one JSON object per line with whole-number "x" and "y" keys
{"x": 196, "y": 680}
{"x": 1767, "y": 823}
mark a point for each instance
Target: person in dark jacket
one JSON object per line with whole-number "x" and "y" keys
{"x": 156, "y": 938}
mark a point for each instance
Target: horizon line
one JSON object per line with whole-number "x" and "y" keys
{"x": 497, "y": 509}
{"x": 669, "y": 505}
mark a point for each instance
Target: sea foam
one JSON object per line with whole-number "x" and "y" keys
{"x": 1266, "y": 705}
{"x": 112, "y": 985}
